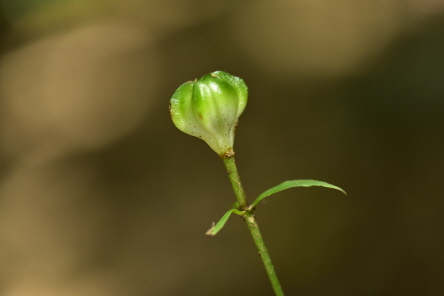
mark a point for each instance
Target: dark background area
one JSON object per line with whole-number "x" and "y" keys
{"x": 101, "y": 195}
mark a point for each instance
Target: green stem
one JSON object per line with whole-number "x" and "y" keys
{"x": 230, "y": 165}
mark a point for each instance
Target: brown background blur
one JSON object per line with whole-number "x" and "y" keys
{"x": 101, "y": 195}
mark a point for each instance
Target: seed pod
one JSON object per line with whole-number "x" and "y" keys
{"x": 209, "y": 108}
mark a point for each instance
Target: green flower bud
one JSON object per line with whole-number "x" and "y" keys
{"x": 209, "y": 108}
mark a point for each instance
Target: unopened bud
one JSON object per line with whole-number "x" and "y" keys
{"x": 209, "y": 108}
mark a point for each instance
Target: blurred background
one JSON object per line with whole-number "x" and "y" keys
{"x": 101, "y": 195}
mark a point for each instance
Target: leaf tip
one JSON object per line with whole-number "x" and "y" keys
{"x": 211, "y": 231}
{"x": 340, "y": 189}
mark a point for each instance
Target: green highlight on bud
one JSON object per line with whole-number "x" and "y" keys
{"x": 209, "y": 108}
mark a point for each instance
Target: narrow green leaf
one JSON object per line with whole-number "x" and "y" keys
{"x": 291, "y": 184}
{"x": 217, "y": 227}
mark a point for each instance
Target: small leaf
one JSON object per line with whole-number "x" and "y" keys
{"x": 217, "y": 227}
{"x": 291, "y": 184}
